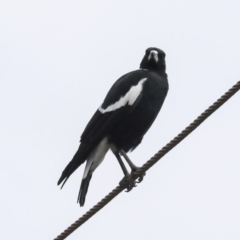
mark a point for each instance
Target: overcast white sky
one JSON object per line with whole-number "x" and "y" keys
{"x": 59, "y": 58}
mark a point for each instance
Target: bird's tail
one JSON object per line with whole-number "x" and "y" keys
{"x": 78, "y": 159}
{"x": 94, "y": 156}
{"x": 83, "y": 189}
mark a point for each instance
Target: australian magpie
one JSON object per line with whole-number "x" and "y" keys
{"x": 119, "y": 124}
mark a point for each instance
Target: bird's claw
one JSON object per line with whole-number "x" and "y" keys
{"x": 139, "y": 179}
{"x": 128, "y": 183}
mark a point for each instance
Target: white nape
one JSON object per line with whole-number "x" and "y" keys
{"x": 129, "y": 98}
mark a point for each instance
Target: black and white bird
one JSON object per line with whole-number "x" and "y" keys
{"x": 119, "y": 124}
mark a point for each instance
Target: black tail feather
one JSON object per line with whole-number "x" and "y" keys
{"x": 77, "y": 160}
{"x": 83, "y": 189}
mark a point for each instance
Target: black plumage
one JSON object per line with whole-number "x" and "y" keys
{"x": 126, "y": 114}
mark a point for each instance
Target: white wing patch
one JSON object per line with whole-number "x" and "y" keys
{"x": 129, "y": 98}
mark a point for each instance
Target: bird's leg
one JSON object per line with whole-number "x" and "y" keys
{"x": 124, "y": 169}
{"x": 130, "y": 163}
{"x": 127, "y": 181}
{"x": 133, "y": 167}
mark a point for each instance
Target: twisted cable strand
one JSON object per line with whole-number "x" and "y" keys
{"x": 153, "y": 160}
{"x": 90, "y": 213}
{"x": 189, "y": 129}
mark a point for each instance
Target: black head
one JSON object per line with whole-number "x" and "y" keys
{"x": 154, "y": 60}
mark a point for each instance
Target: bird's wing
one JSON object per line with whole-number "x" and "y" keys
{"x": 124, "y": 92}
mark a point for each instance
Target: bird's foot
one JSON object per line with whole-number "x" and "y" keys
{"x": 140, "y": 178}
{"x": 128, "y": 183}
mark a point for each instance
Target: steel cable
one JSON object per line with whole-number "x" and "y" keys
{"x": 153, "y": 160}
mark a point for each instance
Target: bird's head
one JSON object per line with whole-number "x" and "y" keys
{"x": 154, "y": 60}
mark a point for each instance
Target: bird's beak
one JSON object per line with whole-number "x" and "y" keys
{"x": 153, "y": 55}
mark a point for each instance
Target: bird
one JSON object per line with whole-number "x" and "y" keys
{"x": 120, "y": 123}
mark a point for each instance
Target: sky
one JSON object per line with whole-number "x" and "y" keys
{"x": 58, "y": 60}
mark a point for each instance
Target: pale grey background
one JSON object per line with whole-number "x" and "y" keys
{"x": 58, "y": 60}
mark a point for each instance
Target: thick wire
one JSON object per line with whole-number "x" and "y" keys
{"x": 153, "y": 160}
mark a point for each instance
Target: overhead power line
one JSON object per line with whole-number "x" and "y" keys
{"x": 153, "y": 160}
